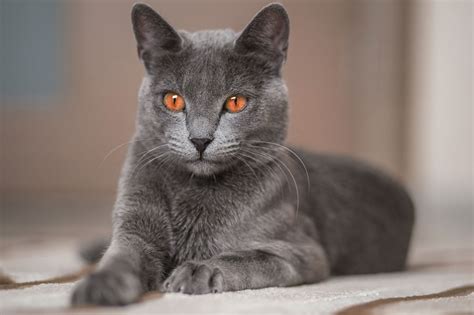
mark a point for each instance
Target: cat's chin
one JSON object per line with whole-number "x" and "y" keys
{"x": 204, "y": 167}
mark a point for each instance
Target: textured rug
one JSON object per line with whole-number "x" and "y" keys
{"x": 38, "y": 277}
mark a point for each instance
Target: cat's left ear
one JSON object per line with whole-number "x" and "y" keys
{"x": 266, "y": 34}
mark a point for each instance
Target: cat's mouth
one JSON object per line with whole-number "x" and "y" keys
{"x": 201, "y": 161}
{"x": 204, "y": 166}
{"x": 206, "y": 159}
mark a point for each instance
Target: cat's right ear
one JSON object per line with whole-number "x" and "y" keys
{"x": 154, "y": 35}
{"x": 267, "y": 34}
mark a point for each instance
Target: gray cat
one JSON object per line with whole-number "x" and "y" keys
{"x": 209, "y": 199}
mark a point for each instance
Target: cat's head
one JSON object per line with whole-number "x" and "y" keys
{"x": 210, "y": 96}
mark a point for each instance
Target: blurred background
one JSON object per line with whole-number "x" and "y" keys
{"x": 389, "y": 82}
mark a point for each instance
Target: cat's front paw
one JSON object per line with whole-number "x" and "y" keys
{"x": 195, "y": 278}
{"x": 107, "y": 288}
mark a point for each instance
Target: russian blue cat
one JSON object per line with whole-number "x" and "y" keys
{"x": 210, "y": 200}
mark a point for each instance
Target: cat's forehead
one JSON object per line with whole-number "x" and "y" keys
{"x": 210, "y": 39}
{"x": 209, "y": 63}
{"x": 208, "y": 51}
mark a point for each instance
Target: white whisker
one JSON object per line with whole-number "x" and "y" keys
{"x": 251, "y": 169}
{"x": 135, "y": 171}
{"x": 149, "y": 151}
{"x": 293, "y": 153}
{"x": 292, "y": 177}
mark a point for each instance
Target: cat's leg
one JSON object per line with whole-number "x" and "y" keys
{"x": 117, "y": 279}
{"x": 133, "y": 264}
{"x": 276, "y": 264}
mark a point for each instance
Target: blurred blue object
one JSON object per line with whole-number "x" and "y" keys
{"x": 31, "y": 51}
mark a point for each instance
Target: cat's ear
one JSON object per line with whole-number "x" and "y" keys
{"x": 267, "y": 33}
{"x": 153, "y": 34}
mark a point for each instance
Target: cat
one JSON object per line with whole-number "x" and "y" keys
{"x": 210, "y": 200}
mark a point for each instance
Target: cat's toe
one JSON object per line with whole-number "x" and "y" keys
{"x": 194, "y": 278}
{"x": 107, "y": 288}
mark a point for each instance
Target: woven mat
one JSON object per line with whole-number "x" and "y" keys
{"x": 38, "y": 276}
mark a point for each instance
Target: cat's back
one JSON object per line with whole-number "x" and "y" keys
{"x": 363, "y": 216}
{"x": 348, "y": 176}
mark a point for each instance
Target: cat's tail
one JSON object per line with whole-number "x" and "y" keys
{"x": 91, "y": 252}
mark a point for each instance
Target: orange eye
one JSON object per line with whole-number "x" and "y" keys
{"x": 235, "y": 104}
{"x": 173, "y": 102}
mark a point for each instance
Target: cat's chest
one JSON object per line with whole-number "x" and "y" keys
{"x": 204, "y": 222}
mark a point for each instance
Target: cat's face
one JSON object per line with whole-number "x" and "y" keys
{"x": 209, "y": 96}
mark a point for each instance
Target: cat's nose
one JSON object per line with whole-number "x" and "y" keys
{"x": 201, "y": 144}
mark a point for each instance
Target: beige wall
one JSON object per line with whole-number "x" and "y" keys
{"x": 442, "y": 100}
{"x": 441, "y": 119}
{"x": 345, "y": 94}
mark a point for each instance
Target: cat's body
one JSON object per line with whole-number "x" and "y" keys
{"x": 242, "y": 211}
{"x": 352, "y": 210}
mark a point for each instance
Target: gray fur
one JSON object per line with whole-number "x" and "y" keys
{"x": 243, "y": 216}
